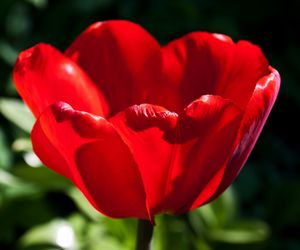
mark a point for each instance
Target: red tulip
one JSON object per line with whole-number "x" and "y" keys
{"x": 142, "y": 129}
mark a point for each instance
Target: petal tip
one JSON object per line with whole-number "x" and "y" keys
{"x": 95, "y": 26}
{"x": 62, "y": 111}
{"x": 30, "y": 59}
{"x": 143, "y": 116}
{"x": 223, "y": 38}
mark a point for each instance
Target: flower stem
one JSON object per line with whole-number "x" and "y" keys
{"x": 144, "y": 235}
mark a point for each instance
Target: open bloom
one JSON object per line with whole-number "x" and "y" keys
{"x": 142, "y": 129}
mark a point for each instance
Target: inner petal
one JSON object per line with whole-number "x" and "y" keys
{"x": 203, "y": 63}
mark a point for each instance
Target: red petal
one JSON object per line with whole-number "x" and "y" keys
{"x": 144, "y": 129}
{"x": 256, "y": 114}
{"x": 247, "y": 66}
{"x": 44, "y": 76}
{"x": 141, "y": 117}
{"x": 47, "y": 152}
{"x": 223, "y": 38}
{"x": 124, "y": 61}
{"x": 95, "y": 158}
{"x": 204, "y": 63}
{"x": 208, "y": 128}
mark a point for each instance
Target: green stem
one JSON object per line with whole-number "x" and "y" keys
{"x": 144, "y": 235}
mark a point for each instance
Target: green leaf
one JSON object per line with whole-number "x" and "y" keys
{"x": 102, "y": 231}
{"x": 124, "y": 230}
{"x": 200, "y": 244}
{"x": 13, "y": 187}
{"x": 57, "y": 233}
{"x": 216, "y": 214}
{"x": 17, "y": 112}
{"x": 5, "y": 153}
{"x": 22, "y": 145}
{"x": 79, "y": 224}
{"x": 97, "y": 238}
{"x": 8, "y": 180}
{"x": 241, "y": 232}
{"x": 83, "y": 204}
{"x": 7, "y": 52}
{"x": 42, "y": 177}
{"x": 18, "y": 20}
{"x": 96, "y": 235}
{"x": 224, "y": 207}
{"x": 41, "y": 4}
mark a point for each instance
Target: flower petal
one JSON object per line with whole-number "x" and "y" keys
{"x": 245, "y": 67}
{"x": 47, "y": 152}
{"x": 208, "y": 128}
{"x": 123, "y": 60}
{"x": 206, "y": 63}
{"x": 141, "y": 117}
{"x": 256, "y": 114}
{"x": 95, "y": 157}
{"x": 144, "y": 128}
{"x": 44, "y": 76}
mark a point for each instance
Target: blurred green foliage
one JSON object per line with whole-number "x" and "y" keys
{"x": 41, "y": 210}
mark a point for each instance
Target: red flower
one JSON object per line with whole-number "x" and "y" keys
{"x": 142, "y": 129}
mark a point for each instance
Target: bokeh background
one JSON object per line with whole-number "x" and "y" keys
{"x": 41, "y": 210}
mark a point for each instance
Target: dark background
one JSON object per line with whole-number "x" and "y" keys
{"x": 264, "y": 203}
